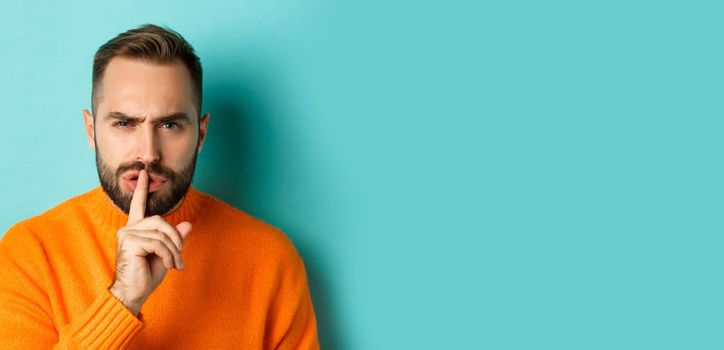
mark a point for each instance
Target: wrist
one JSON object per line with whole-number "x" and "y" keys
{"x": 133, "y": 306}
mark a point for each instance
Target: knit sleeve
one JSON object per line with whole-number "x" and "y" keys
{"x": 106, "y": 324}
{"x": 26, "y": 316}
{"x": 292, "y": 312}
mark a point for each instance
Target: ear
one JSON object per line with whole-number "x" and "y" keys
{"x": 89, "y": 129}
{"x": 203, "y": 126}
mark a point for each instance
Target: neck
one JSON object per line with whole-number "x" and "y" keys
{"x": 108, "y": 214}
{"x": 164, "y": 214}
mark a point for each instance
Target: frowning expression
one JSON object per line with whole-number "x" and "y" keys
{"x": 146, "y": 118}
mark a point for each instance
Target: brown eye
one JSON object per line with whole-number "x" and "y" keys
{"x": 171, "y": 125}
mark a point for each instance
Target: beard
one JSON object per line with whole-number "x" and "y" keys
{"x": 157, "y": 203}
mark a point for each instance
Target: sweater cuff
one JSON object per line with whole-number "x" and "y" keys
{"x": 107, "y": 324}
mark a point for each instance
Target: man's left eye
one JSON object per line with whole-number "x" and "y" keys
{"x": 170, "y": 125}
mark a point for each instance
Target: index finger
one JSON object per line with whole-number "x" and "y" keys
{"x": 137, "y": 210}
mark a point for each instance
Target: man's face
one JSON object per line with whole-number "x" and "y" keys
{"x": 146, "y": 118}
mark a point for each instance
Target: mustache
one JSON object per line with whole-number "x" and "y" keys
{"x": 151, "y": 168}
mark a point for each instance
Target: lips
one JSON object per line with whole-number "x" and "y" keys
{"x": 155, "y": 182}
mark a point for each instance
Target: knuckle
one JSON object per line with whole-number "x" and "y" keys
{"x": 162, "y": 232}
{"x": 157, "y": 244}
{"x": 173, "y": 237}
{"x": 129, "y": 242}
{"x": 124, "y": 236}
{"x": 163, "y": 236}
{"x": 136, "y": 240}
{"x": 167, "y": 248}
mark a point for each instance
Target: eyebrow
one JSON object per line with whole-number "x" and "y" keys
{"x": 173, "y": 117}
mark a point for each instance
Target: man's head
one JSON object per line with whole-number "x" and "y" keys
{"x": 146, "y": 104}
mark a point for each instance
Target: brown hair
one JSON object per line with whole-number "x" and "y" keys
{"x": 149, "y": 42}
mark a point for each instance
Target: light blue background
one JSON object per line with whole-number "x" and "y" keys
{"x": 533, "y": 175}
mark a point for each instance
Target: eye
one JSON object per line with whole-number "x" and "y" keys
{"x": 170, "y": 125}
{"x": 120, "y": 124}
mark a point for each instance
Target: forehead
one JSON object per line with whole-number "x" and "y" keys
{"x": 138, "y": 87}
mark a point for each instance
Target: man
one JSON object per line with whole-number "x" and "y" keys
{"x": 145, "y": 261}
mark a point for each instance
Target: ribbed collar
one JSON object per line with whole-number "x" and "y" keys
{"x": 108, "y": 216}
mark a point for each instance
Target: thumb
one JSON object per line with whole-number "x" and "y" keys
{"x": 184, "y": 229}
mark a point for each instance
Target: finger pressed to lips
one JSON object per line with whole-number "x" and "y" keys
{"x": 154, "y": 182}
{"x": 137, "y": 210}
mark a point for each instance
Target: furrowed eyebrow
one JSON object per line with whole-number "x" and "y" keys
{"x": 121, "y": 116}
{"x": 173, "y": 117}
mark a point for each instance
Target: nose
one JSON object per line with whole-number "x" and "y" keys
{"x": 148, "y": 151}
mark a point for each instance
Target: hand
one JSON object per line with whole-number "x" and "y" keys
{"x": 147, "y": 248}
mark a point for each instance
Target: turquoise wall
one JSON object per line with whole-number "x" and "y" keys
{"x": 478, "y": 175}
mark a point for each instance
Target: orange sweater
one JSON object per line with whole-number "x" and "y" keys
{"x": 244, "y": 285}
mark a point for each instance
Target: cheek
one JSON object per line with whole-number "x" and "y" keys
{"x": 179, "y": 152}
{"x": 109, "y": 164}
{"x": 112, "y": 152}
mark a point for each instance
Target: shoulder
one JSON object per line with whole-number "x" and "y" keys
{"x": 50, "y": 217}
{"x": 21, "y": 246}
{"x": 35, "y": 226}
{"x": 250, "y": 231}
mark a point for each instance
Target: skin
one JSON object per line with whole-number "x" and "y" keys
{"x": 147, "y": 246}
